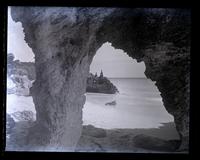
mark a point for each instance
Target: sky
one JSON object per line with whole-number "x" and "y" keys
{"x": 113, "y": 62}
{"x": 116, "y": 63}
{"x": 16, "y": 42}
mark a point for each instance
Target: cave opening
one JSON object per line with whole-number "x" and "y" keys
{"x": 137, "y": 104}
{"x": 69, "y": 61}
{"x": 135, "y": 109}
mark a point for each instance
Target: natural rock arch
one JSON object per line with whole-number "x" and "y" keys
{"x": 64, "y": 41}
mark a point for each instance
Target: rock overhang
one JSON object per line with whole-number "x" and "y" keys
{"x": 68, "y": 38}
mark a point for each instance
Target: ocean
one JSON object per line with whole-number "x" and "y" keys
{"x": 138, "y": 105}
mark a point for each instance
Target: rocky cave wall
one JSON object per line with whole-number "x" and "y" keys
{"x": 64, "y": 41}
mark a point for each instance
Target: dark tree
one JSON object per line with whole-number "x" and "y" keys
{"x": 101, "y": 74}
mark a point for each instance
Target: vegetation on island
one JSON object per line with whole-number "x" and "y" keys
{"x": 100, "y": 84}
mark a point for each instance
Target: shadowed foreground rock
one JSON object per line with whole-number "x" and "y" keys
{"x": 128, "y": 140}
{"x": 153, "y": 143}
{"x": 64, "y": 41}
{"x": 102, "y": 140}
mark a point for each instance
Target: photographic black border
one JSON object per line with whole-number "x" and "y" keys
{"x": 86, "y": 3}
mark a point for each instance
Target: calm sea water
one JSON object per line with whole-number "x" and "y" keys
{"x": 139, "y": 105}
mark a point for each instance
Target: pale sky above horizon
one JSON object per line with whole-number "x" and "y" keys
{"x": 16, "y": 43}
{"x": 116, "y": 63}
{"x": 113, "y": 62}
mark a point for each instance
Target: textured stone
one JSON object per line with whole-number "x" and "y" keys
{"x": 154, "y": 143}
{"x": 100, "y": 85}
{"x": 64, "y": 41}
{"x": 23, "y": 116}
{"x": 90, "y": 130}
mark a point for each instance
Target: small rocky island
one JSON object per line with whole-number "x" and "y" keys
{"x": 22, "y": 74}
{"x": 100, "y": 84}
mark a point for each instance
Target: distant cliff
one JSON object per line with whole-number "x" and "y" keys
{"x": 20, "y": 68}
{"x": 19, "y": 76}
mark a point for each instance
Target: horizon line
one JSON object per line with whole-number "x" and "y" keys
{"x": 130, "y": 77}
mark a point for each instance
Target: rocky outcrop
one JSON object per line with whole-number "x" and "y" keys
{"x": 19, "y": 76}
{"x": 20, "y": 68}
{"x": 97, "y": 84}
{"x": 128, "y": 140}
{"x": 19, "y": 85}
{"x": 64, "y": 41}
{"x": 152, "y": 140}
{"x": 90, "y": 130}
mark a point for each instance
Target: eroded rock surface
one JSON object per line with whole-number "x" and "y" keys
{"x": 154, "y": 143}
{"x": 149, "y": 140}
{"x": 64, "y": 41}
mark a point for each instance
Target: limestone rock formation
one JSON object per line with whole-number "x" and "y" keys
{"x": 64, "y": 41}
